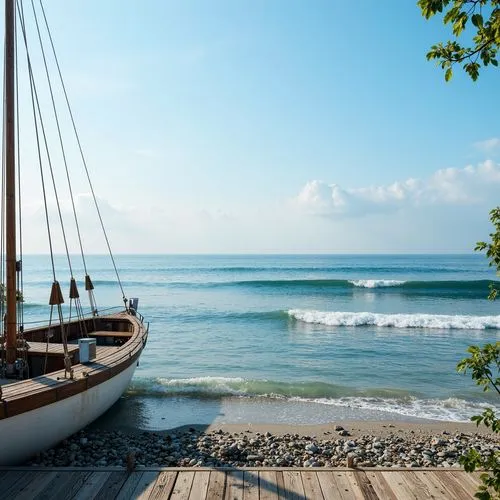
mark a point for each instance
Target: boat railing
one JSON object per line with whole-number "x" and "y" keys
{"x": 87, "y": 315}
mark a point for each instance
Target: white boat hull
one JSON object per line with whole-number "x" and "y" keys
{"x": 24, "y": 435}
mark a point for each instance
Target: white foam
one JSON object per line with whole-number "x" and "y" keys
{"x": 451, "y": 409}
{"x": 376, "y": 283}
{"x": 439, "y": 321}
{"x": 208, "y": 385}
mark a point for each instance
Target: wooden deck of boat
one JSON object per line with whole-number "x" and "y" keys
{"x": 236, "y": 484}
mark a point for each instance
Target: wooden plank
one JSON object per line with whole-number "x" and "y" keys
{"x": 11, "y": 479}
{"x": 234, "y": 486}
{"x": 364, "y": 484}
{"x": 54, "y": 348}
{"x": 328, "y": 485}
{"x": 16, "y": 487}
{"x": 280, "y": 482}
{"x": 200, "y": 485}
{"x": 37, "y": 483}
{"x": 458, "y": 478}
{"x": 71, "y": 388}
{"x": 264, "y": 484}
{"x": 164, "y": 485}
{"x": 398, "y": 485}
{"x": 16, "y": 406}
{"x": 182, "y": 487}
{"x": 382, "y": 489}
{"x": 435, "y": 486}
{"x": 268, "y": 485}
{"x": 347, "y": 486}
{"x": 449, "y": 485}
{"x": 473, "y": 478}
{"x": 145, "y": 485}
{"x": 113, "y": 485}
{"x": 90, "y": 488}
{"x": 110, "y": 334}
{"x": 251, "y": 485}
{"x": 98, "y": 378}
{"x": 60, "y": 484}
{"x": 421, "y": 488}
{"x": 312, "y": 488}
{"x": 129, "y": 485}
{"x": 292, "y": 482}
{"x": 216, "y": 485}
{"x": 78, "y": 483}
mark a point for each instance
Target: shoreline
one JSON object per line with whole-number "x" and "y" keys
{"x": 356, "y": 428}
{"x": 364, "y": 444}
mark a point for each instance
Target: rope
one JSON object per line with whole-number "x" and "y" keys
{"x": 83, "y": 330}
{"x": 49, "y": 161}
{"x": 81, "y": 153}
{"x": 2, "y": 238}
{"x": 59, "y": 134}
{"x": 20, "y": 283}
{"x": 33, "y": 93}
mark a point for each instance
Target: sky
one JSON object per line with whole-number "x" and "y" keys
{"x": 261, "y": 126}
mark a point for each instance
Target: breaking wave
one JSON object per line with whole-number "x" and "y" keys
{"x": 397, "y": 401}
{"x": 376, "y": 283}
{"x": 438, "y": 321}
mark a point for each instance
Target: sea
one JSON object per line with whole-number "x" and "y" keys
{"x": 291, "y": 339}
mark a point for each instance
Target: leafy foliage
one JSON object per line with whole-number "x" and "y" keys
{"x": 481, "y": 364}
{"x": 493, "y": 248}
{"x": 484, "y": 367}
{"x": 484, "y": 15}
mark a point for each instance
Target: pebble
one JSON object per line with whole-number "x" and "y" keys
{"x": 223, "y": 449}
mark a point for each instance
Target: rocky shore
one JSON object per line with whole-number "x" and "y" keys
{"x": 191, "y": 447}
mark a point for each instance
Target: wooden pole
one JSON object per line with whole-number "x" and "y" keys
{"x": 10, "y": 186}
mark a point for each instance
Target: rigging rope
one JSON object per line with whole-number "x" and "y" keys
{"x": 55, "y": 296}
{"x": 73, "y": 296}
{"x": 35, "y": 119}
{"x": 20, "y": 283}
{"x": 56, "y": 116}
{"x": 49, "y": 159}
{"x": 81, "y": 153}
{"x": 2, "y": 237}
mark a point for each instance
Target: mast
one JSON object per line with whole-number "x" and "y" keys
{"x": 10, "y": 187}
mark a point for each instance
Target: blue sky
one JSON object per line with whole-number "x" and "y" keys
{"x": 272, "y": 126}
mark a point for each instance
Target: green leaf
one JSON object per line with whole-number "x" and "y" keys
{"x": 477, "y": 20}
{"x": 448, "y": 74}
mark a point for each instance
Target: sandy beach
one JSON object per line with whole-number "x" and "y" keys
{"x": 356, "y": 429}
{"x": 368, "y": 444}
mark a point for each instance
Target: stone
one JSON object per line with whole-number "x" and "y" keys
{"x": 312, "y": 448}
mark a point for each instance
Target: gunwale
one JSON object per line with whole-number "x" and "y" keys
{"x": 30, "y": 394}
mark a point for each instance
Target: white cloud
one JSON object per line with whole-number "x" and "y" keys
{"x": 488, "y": 145}
{"x": 450, "y": 186}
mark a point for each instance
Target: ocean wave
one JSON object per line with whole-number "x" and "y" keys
{"x": 470, "y": 289}
{"x": 437, "y": 321}
{"x": 449, "y": 288}
{"x": 397, "y": 401}
{"x": 210, "y": 386}
{"x": 376, "y": 283}
{"x": 449, "y": 409}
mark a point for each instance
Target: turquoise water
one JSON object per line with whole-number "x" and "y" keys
{"x": 295, "y": 339}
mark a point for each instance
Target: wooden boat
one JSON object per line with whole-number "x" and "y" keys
{"x": 57, "y": 378}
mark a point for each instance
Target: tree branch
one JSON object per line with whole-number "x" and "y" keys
{"x": 470, "y": 54}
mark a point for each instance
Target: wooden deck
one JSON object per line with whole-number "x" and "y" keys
{"x": 236, "y": 484}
